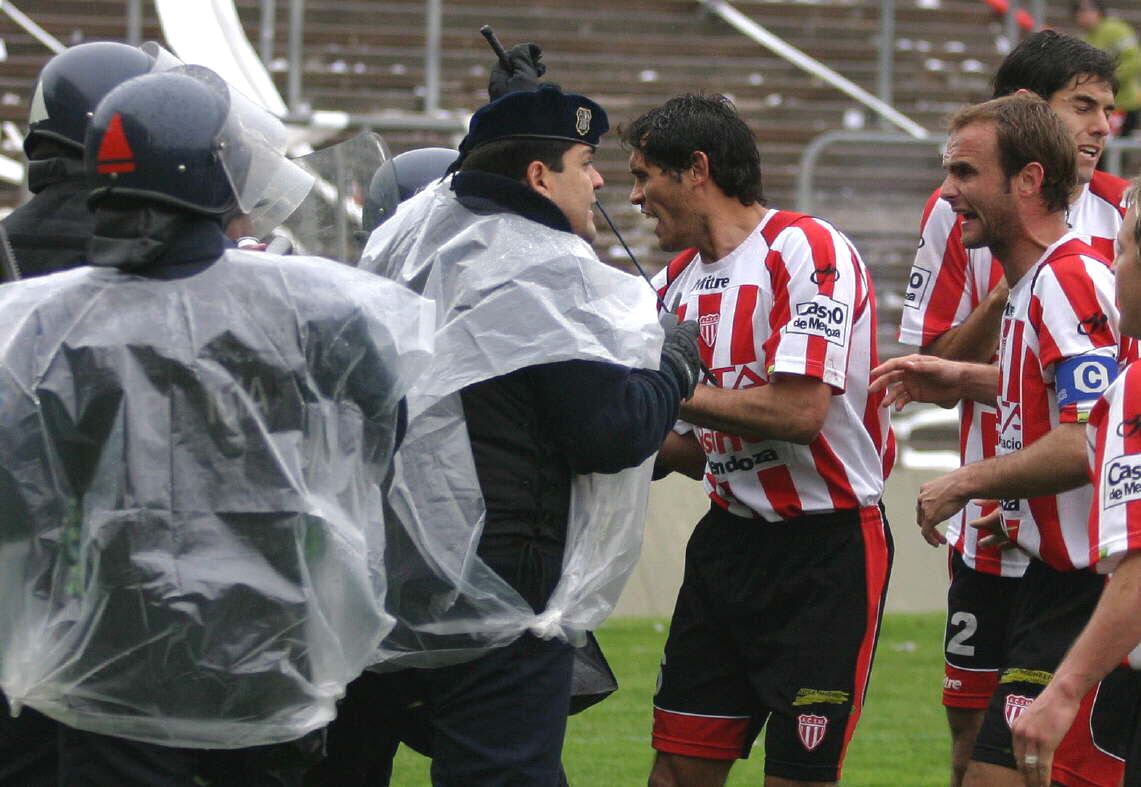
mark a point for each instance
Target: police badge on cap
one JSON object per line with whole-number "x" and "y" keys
{"x": 546, "y": 113}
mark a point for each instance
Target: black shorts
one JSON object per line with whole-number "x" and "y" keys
{"x": 978, "y": 614}
{"x": 1051, "y": 608}
{"x": 774, "y": 623}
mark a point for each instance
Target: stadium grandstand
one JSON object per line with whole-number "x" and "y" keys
{"x": 340, "y": 65}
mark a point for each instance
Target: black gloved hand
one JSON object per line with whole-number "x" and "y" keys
{"x": 527, "y": 69}
{"x": 680, "y": 356}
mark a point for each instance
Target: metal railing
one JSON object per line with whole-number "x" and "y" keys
{"x": 783, "y": 49}
{"x": 806, "y": 171}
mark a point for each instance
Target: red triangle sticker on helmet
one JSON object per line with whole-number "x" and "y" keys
{"x": 115, "y": 154}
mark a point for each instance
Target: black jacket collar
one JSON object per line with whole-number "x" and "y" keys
{"x": 44, "y": 172}
{"x": 483, "y": 192}
{"x": 155, "y": 240}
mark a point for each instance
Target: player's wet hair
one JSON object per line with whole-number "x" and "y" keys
{"x": 1029, "y": 131}
{"x": 668, "y": 136}
{"x": 511, "y": 157}
{"x": 1047, "y": 61}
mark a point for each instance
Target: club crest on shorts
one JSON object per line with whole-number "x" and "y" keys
{"x": 707, "y": 324}
{"x": 582, "y": 120}
{"x": 1015, "y": 704}
{"x": 811, "y": 729}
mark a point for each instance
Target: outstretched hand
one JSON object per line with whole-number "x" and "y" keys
{"x": 917, "y": 378}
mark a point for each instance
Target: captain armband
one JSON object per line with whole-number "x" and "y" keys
{"x": 1081, "y": 380}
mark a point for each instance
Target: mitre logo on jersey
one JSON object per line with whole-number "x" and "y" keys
{"x": 711, "y": 282}
{"x": 1129, "y": 426}
{"x": 811, "y": 729}
{"x": 821, "y": 275}
{"x": 1121, "y": 480}
{"x": 707, "y": 324}
{"x": 822, "y": 316}
{"x": 1092, "y": 324}
{"x": 917, "y": 286}
{"x": 1015, "y": 704}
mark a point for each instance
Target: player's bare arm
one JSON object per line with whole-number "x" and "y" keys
{"x": 1113, "y": 630}
{"x": 976, "y": 339}
{"x": 927, "y": 378}
{"x": 680, "y": 453}
{"x": 1056, "y": 463}
{"x": 790, "y": 408}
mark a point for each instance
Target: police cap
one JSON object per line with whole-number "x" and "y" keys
{"x": 546, "y": 113}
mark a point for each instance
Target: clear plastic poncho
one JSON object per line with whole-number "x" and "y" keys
{"x": 509, "y": 293}
{"x": 191, "y": 475}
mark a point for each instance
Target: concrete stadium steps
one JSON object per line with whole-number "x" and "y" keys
{"x": 368, "y": 56}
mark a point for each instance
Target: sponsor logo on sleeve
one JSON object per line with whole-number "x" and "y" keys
{"x": 917, "y": 286}
{"x": 811, "y": 730}
{"x": 1121, "y": 480}
{"x": 822, "y": 316}
{"x": 1092, "y": 324}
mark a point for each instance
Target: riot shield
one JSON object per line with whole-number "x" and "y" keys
{"x": 328, "y": 222}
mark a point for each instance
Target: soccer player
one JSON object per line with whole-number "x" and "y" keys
{"x": 793, "y": 451}
{"x": 954, "y": 305}
{"x": 1114, "y": 442}
{"x": 1011, "y": 169}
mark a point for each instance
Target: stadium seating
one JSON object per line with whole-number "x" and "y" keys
{"x": 362, "y": 57}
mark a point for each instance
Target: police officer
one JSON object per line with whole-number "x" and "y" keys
{"x": 50, "y": 232}
{"x": 192, "y": 439}
{"x": 563, "y": 385}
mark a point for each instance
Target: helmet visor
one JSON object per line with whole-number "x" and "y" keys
{"x": 251, "y": 148}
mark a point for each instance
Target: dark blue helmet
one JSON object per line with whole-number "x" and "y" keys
{"x": 182, "y": 137}
{"x": 400, "y": 178}
{"x": 72, "y": 84}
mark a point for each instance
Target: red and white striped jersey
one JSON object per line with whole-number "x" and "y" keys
{"x": 793, "y": 298}
{"x": 946, "y": 283}
{"x": 1114, "y": 435}
{"x": 1058, "y": 352}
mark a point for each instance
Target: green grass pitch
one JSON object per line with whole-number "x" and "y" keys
{"x": 902, "y": 738}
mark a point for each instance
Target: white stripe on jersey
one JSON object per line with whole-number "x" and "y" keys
{"x": 1114, "y": 436}
{"x": 1061, "y": 308}
{"x": 802, "y": 305}
{"x": 946, "y": 283}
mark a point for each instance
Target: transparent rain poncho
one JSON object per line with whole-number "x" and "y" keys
{"x": 191, "y": 480}
{"x": 509, "y": 293}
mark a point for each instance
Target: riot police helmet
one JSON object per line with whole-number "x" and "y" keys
{"x": 184, "y": 138}
{"x": 400, "y": 178}
{"x": 71, "y": 85}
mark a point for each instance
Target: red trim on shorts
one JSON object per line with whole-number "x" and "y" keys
{"x": 876, "y": 569}
{"x": 1078, "y": 762}
{"x": 971, "y": 689}
{"x": 707, "y": 737}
